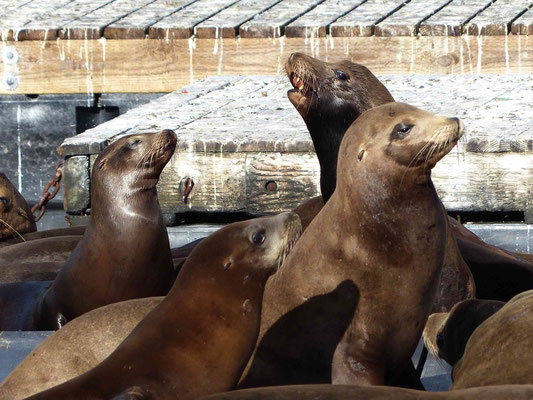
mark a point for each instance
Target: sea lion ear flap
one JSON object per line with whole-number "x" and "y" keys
{"x": 361, "y": 154}
{"x": 133, "y": 393}
{"x": 102, "y": 163}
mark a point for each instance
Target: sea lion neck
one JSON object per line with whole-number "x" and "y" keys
{"x": 330, "y": 97}
{"x": 327, "y": 131}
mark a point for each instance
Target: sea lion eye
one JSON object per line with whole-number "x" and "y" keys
{"x": 401, "y": 130}
{"x": 341, "y": 75}
{"x": 3, "y": 200}
{"x": 258, "y": 238}
{"x": 135, "y": 143}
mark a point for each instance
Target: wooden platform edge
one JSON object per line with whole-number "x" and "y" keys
{"x": 160, "y": 65}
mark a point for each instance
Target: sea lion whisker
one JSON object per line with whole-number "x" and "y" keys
{"x": 13, "y": 229}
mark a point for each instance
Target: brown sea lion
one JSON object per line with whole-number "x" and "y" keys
{"x": 76, "y": 348}
{"x": 446, "y": 334}
{"x": 48, "y": 233}
{"x": 329, "y": 97}
{"x": 125, "y": 252}
{"x": 499, "y": 351}
{"x": 16, "y": 217}
{"x": 199, "y": 338}
{"x": 384, "y": 231}
{"x": 40, "y": 250}
{"x": 499, "y": 274}
{"x": 29, "y": 271}
{"x": 351, "y": 392}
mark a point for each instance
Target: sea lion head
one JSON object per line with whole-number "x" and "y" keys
{"x": 253, "y": 248}
{"x": 451, "y": 331}
{"x": 331, "y": 89}
{"x": 15, "y": 214}
{"x": 396, "y": 138}
{"x": 135, "y": 161}
{"x": 329, "y": 97}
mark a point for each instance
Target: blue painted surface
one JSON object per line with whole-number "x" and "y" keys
{"x": 15, "y": 346}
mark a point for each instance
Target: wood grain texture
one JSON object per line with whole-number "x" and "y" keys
{"x": 406, "y": 20}
{"x": 450, "y": 20}
{"x": 496, "y": 19}
{"x": 227, "y": 22}
{"x": 272, "y": 22}
{"x": 91, "y": 26}
{"x": 237, "y": 134}
{"x": 136, "y": 24}
{"x": 362, "y": 20}
{"x": 315, "y": 23}
{"x": 158, "y": 65}
{"x": 30, "y": 21}
{"x": 236, "y": 182}
{"x": 180, "y": 25}
{"x": 252, "y": 114}
{"x": 524, "y": 24}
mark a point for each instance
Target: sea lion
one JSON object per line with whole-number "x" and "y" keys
{"x": 384, "y": 231}
{"x": 125, "y": 251}
{"x": 499, "y": 350}
{"x": 499, "y": 274}
{"x": 351, "y": 392}
{"x": 76, "y": 348}
{"x": 329, "y": 97}
{"x": 199, "y": 338}
{"x": 29, "y": 271}
{"x": 58, "y": 233}
{"x": 16, "y": 217}
{"x": 446, "y": 334}
{"x": 47, "y": 249}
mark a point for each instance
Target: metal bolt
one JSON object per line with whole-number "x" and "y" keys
{"x": 11, "y": 81}
{"x": 10, "y": 55}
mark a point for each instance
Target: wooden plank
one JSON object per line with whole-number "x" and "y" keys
{"x": 227, "y": 22}
{"x": 496, "y": 20}
{"x": 236, "y": 135}
{"x": 29, "y": 21}
{"x": 95, "y": 140}
{"x": 406, "y": 20}
{"x": 46, "y": 26}
{"x": 450, "y": 20}
{"x": 252, "y": 114}
{"x": 180, "y": 25}
{"x": 362, "y": 20}
{"x": 136, "y": 24}
{"x": 315, "y": 23}
{"x": 478, "y": 182}
{"x": 92, "y": 25}
{"x": 143, "y": 65}
{"x": 236, "y": 181}
{"x": 524, "y": 24}
{"x": 271, "y": 23}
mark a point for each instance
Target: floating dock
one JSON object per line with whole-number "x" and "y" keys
{"x": 103, "y": 46}
{"x": 237, "y": 134}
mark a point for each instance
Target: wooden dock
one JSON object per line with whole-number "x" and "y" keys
{"x": 107, "y": 46}
{"x": 236, "y": 134}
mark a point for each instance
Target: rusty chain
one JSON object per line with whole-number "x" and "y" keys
{"x": 47, "y": 196}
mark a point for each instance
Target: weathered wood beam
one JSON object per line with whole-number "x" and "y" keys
{"x": 159, "y": 65}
